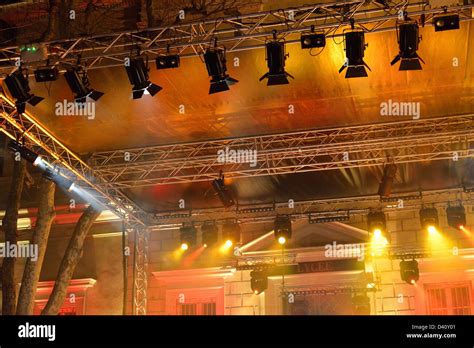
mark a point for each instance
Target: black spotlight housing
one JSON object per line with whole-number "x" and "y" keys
{"x": 429, "y": 218}
{"x": 376, "y": 221}
{"x": 24, "y": 152}
{"x": 217, "y": 69}
{"x": 355, "y": 46}
{"x": 258, "y": 281}
{"x": 78, "y": 82}
{"x": 446, "y": 22}
{"x": 276, "y": 57}
{"x": 46, "y": 74}
{"x": 409, "y": 271}
{"x": 18, "y": 86}
{"x": 188, "y": 236}
{"x": 223, "y": 192}
{"x": 167, "y": 62}
{"x": 408, "y": 40}
{"x": 282, "y": 228}
{"x": 60, "y": 180}
{"x": 231, "y": 232}
{"x": 209, "y": 233}
{"x": 456, "y": 216}
{"x": 137, "y": 72}
{"x": 313, "y": 40}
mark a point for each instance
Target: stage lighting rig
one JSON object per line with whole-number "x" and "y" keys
{"x": 217, "y": 69}
{"x": 282, "y": 228}
{"x": 355, "y": 46}
{"x": 79, "y": 84}
{"x": 276, "y": 57}
{"x": 222, "y": 191}
{"x": 231, "y": 233}
{"x": 408, "y": 38}
{"x": 24, "y": 152}
{"x": 137, "y": 71}
{"x": 167, "y": 62}
{"x": 46, "y": 74}
{"x": 18, "y": 86}
{"x": 377, "y": 223}
{"x": 188, "y": 236}
{"x": 209, "y": 232}
{"x": 409, "y": 271}
{"x": 258, "y": 281}
{"x": 456, "y": 217}
{"x": 313, "y": 40}
{"x": 429, "y": 219}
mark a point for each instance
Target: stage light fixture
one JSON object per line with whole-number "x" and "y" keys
{"x": 282, "y": 229}
{"x": 209, "y": 232}
{"x": 55, "y": 176}
{"x": 46, "y": 74}
{"x": 409, "y": 271}
{"x": 258, "y": 282}
{"x": 377, "y": 223}
{"x": 18, "y": 86}
{"x": 223, "y": 192}
{"x": 217, "y": 69}
{"x": 408, "y": 40}
{"x": 389, "y": 172}
{"x": 167, "y": 62}
{"x": 78, "y": 82}
{"x": 429, "y": 219}
{"x": 276, "y": 57}
{"x": 355, "y": 46}
{"x": 313, "y": 40}
{"x": 446, "y": 22}
{"x": 188, "y": 237}
{"x": 456, "y": 217}
{"x": 137, "y": 72}
{"x": 231, "y": 233}
{"x": 24, "y": 152}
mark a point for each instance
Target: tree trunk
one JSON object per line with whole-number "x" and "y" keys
{"x": 10, "y": 223}
{"x": 70, "y": 259}
{"x": 31, "y": 274}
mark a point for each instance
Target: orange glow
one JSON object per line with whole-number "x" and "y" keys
{"x": 466, "y": 231}
{"x": 184, "y": 246}
{"x": 189, "y": 259}
{"x": 226, "y": 246}
{"x": 432, "y": 230}
{"x": 282, "y": 240}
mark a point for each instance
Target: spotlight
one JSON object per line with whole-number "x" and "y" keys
{"x": 408, "y": 39}
{"x": 78, "y": 82}
{"x": 19, "y": 88}
{"x": 222, "y": 191}
{"x": 24, "y": 152}
{"x": 167, "y": 62}
{"x": 429, "y": 219}
{"x": 217, "y": 70}
{"x": 231, "y": 233}
{"x": 188, "y": 237}
{"x": 456, "y": 217}
{"x": 282, "y": 228}
{"x": 258, "y": 282}
{"x": 276, "y": 58}
{"x": 209, "y": 233}
{"x": 46, "y": 74}
{"x": 446, "y": 22}
{"x": 361, "y": 304}
{"x": 56, "y": 177}
{"x": 409, "y": 271}
{"x": 376, "y": 222}
{"x": 313, "y": 40}
{"x": 385, "y": 187}
{"x": 355, "y": 47}
{"x": 137, "y": 72}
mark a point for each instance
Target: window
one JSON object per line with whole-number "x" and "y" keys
{"x": 195, "y": 301}
{"x": 449, "y": 299}
{"x": 196, "y": 308}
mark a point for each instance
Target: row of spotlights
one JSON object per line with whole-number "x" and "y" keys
{"x": 408, "y": 39}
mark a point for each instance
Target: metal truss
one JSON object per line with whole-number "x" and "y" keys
{"x": 26, "y": 127}
{"x": 313, "y": 150}
{"x": 236, "y": 33}
{"x": 318, "y": 208}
